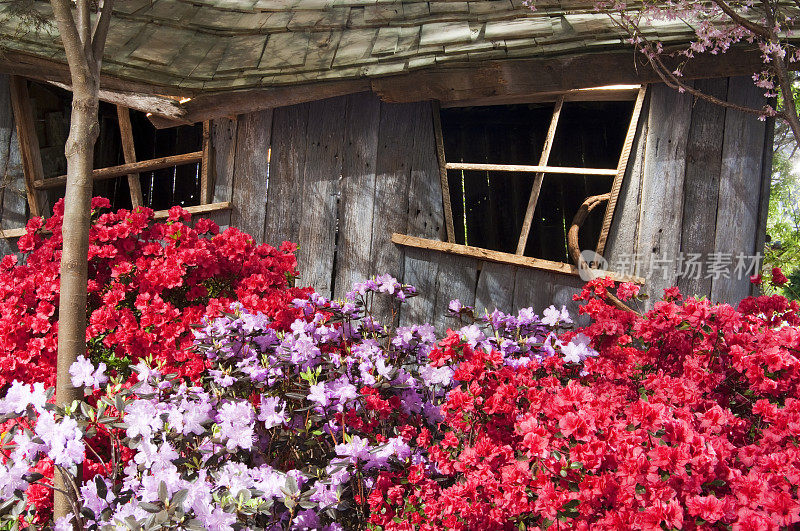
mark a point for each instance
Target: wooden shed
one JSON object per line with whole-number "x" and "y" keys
{"x": 448, "y": 143}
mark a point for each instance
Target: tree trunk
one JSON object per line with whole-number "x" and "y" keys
{"x": 79, "y": 150}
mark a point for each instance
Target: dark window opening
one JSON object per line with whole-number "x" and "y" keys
{"x": 161, "y": 189}
{"x": 489, "y": 206}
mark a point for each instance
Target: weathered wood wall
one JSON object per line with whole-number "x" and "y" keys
{"x": 698, "y": 184}
{"x": 13, "y": 203}
{"x": 338, "y": 176}
{"x": 347, "y": 172}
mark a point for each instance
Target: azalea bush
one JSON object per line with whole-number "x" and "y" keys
{"x": 689, "y": 417}
{"x": 149, "y": 282}
{"x": 284, "y": 430}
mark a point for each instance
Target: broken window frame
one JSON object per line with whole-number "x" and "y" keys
{"x": 518, "y": 258}
{"x": 36, "y": 183}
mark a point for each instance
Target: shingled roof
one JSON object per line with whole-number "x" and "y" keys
{"x": 217, "y": 45}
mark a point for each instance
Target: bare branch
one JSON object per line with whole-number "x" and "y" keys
{"x": 100, "y": 32}
{"x": 73, "y": 46}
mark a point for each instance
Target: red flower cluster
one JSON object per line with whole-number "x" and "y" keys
{"x": 689, "y": 418}
{"x": 148, "y": 284}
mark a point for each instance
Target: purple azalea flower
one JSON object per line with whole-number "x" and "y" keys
{"x": 270, "y": 414}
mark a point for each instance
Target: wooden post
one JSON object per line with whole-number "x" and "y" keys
{"x": 28, "y": 143}
{"x": 448, "y": 208}
{"x": 206, "y": 186}
{"x": 537, "y": 183}
{"x": 129, "y": 152}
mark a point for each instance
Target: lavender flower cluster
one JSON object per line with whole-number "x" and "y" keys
{"x": 287, "y": 431}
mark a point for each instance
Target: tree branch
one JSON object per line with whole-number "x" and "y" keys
{"x": 73, "y": 47}
{"x": 105, "y": 9}
{"x": 750, "y": 26}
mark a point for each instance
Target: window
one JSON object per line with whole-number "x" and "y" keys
{"x": 514, "y": 176}
{"x": 136, "y": 163}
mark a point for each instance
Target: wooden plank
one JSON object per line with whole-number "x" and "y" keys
{"x": 223, "y": 150}
{"x": 537, "y": 181}
{"x": 421, "y": 269}
{"x": 395, "y": 146}
{"x": 206, "y": 186}
{"x": 426, "y": 216}
{"x": 607, "y": 93}
{"x": 622, "y": 242}
{"x": 129, "y": 153}
{"x": 357, "y": 201}
{"x": 495, "y": 288}
{"x": 198, "y": 210}
{"x": 740, "y": 192}
{"x": 28, "y": 144}
{"x": 525, "y": 77}
{"x": 124, "y": 169}
{"x": 661, "y": 209}
{"x": 766, "y": 184}
{"x": 287, "y": 166}
{"x": 13, "y": 197}
{"x": 440, "y": 155}
{"x": 621, "y": 167}
{"x": 701, "y": 183}
{"x": 456, "y": 279}
{"x": 497, "y": 256}
{"x": 533, "y": 289}
{"x": 321, "y": 186}
{"x": 250, "y": 185}
{"x": 528, "y": 169}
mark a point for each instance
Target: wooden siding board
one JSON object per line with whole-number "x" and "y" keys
{"x": 395, "y": 143}
{"x": 425, "y": 217}
{"x": 357, "y": 201}
{"x": 249, "y": 197}
{"x": 287, "y": 166}
{"x": 321, "y": 186}
{"x": 740, "y": 186}
{"x": 534, "y": 289}
{"x": 13, "y": 198}
{"x": 456, "y": 279}
{"x": 421, "y": 271}
{"x": 662, "y": 192}
{"x": 495, "y": 288}
{"x": 766, "y": 183}
{"x": 701, "y": 182}
{"x": 223, "y": 147}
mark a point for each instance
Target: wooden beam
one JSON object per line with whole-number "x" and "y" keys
{"x": 445, "y": 183}
{"x": 528, "y": 169}
{"x": 622, "y": 165}
{"x": 607, "y": 93}
{"x": 196, "y": 210}
{"x": 528, "y": 77}
{"x": 129, "y": 153}
{"x": 206, "y": 186}
{"x": 12, "y": 233}
{"x": 124, "y": 169}
{"x": 28, "y": 143}
{"x": 166, "y": 106}
{"x": 158, "y": 214}
{"x": 209, "y": 106}
{"x": 537, "y": 182}
{"x": 500, "y": 257}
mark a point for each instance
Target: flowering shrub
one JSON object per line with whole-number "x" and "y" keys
{"x": 689, "y": 417}
{"x": 148, "y": 283}
{"x": 287, "y": 429}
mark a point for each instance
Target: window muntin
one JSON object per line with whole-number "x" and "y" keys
{"x": 575, "y": 149}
